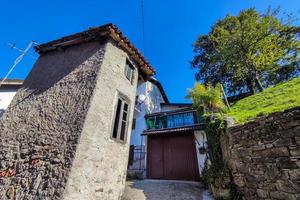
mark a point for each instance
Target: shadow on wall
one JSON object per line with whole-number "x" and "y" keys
{"x": 53, "y": 66}
{"x": 57, "y": 65}
{"x": 1, "y": 112}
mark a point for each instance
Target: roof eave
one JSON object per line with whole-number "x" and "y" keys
{"x": 105, "y": 31}
{"x": 175, "y": 129}
{"x": 161, "y": 89}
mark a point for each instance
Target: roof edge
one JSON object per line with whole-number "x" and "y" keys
{"x": 12, "y": 82}
{"x": 93, "y": 34}
{"x": 161, "y": 89}
{"x": 170, "y": 112}
{"x": 177, "y": 104}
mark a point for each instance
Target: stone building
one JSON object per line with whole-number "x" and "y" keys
{"x": 8, "y": 90}
{"x": 66, "y": 133}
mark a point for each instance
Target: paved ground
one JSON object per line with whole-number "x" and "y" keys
{"x": 165, "y": 190}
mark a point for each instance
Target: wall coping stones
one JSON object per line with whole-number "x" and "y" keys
{"x": 262, "y": 120}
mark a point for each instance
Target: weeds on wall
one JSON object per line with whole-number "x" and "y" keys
{"x": 207, "y": 99}
{"x": 216, "y": 174}
{"x": 214, "y": 130}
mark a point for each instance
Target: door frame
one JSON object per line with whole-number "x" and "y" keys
{"x": 149, "y": 152}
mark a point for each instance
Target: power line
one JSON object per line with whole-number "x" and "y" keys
{"x": 143, "y": 25}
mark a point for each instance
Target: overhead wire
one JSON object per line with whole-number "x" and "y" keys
{"x": 143, "y": 26}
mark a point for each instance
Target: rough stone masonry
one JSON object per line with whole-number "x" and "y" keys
{"x": 55, "y": 137}
{"x": 42, "y": 126}
{"x": 264, "y": 156}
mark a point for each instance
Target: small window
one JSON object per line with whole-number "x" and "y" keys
{"x": 133, "y": 123}
{"x": 129, "y": 71}
{"x": 121, "y": 119}
{"x": 136, "y": 100}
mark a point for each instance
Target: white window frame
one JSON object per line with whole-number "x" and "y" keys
{"x": 129, "y": 67}
{"x": 117, "y": 137}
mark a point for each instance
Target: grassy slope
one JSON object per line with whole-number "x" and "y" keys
{"x": 281, "y": 97}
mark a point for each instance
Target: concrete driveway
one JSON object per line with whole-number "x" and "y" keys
{"x": 163, "y": 190}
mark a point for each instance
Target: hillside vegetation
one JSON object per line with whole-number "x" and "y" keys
{"x": 278, "y": 98}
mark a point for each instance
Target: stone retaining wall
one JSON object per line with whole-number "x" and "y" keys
{"x": 264, "y": 156}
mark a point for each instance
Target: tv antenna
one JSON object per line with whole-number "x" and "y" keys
{"x": 18, "y": 59}
{"x": 13, "y": 46}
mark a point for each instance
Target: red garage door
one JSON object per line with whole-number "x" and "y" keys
{"x": 172, "y": 157}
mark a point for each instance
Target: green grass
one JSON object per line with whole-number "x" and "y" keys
{"x": 278, "y": 98}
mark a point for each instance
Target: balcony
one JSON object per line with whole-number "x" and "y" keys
{"x": 173, "y": 120}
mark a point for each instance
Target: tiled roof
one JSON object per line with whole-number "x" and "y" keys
{"x": 106, "y": 31}
{"x": 177, "y": 104}
{"x": 174, "y": 130}
{"x": 171, "y": 112}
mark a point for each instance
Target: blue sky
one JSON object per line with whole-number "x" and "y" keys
{"x": 171, "y": 27}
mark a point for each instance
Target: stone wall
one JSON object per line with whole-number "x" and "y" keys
{"x": 100, "y": 166}
{"x": 41, "y": 127}
{"x": 55, "y": 136}
{"x": 264, "y": 156}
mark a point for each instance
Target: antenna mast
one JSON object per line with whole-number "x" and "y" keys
{"x": 17, "y": 60}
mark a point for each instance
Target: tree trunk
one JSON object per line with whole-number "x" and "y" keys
{"x": 253, "y": 80}
{"x": 250, "y": 85}
{"x": 258, "y": 84}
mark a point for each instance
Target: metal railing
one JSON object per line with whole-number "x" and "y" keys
{"x": 173, "y": 119}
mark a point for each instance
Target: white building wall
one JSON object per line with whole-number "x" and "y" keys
{"x": 151, "y": 105}
{"x": 6, "y": 96}
{"x": 200, "y": 141}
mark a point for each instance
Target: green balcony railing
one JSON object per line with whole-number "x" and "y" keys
{"x": 173, "y": 120}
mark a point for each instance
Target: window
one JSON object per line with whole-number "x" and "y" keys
{"x": 129, "y": 71}
{"x": 174, "y": 120}
{"x": 133, "y": 123}
{"x": 121, "y": 119}
{"x": 136, "y": 100}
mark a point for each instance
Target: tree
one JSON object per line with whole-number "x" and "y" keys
{"x": 247, "y": 51}
{"x": 206, "y": 98}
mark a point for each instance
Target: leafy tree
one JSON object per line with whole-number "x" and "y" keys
{"x": 247, "y": 51}
{"x": 206, "y": 98}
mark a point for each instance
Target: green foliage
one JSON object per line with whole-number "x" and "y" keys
{"x": 206, "y": 98}
{"x": 217, "y": 174}
{"x": 214, "y": 130}
{"x": 244, "y": 50}
{"x": 278, "y": 98}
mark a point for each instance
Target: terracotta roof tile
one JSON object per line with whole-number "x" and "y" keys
{"x": 106, "y": 31}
